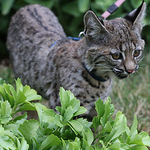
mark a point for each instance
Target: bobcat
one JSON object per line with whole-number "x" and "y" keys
{"x": 46, "y": 59}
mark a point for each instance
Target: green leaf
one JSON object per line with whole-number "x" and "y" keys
{"x": 117, "y": 145}
{"x": 88, "y": 136}
{"x": 14, "y": 95}
{"x": 108, "y": 110}
{"x": 135, "y": 139}
{"x": 96, "y": 122}
{"x": 140, "y": 148}
{"x": 145, "y": 138}
{"x": 108, "y": 127}
{"x": 26, "y": 106}
{"x": 20, "y": 99}
{"x": 48, "y": 3}
{"x": 74, "y": 103}
{"x": 6, "y": 6}
{"x": 48, "y": 115}
{"x": 64, "y": 99}
{"x": 5, "y": 93}
{"x": 69, "y": 105}
{"x": 100, "y": 108}
{"x": 136, "y": 3}
{"x": 68, "y": 114}
{"x": 119, "y": 127}
{"x": 83, "y": 5}
{"x": 80, "y": 111}
{"x": 10, "y": 134}
{"x": 40, "y": 108}
{"x": 74, "y": 8}
{"x": 76, "y": 126}
{"x": 58, "y": 120}
{"x": 84, "y": 123}
{"x": 74, "y": 145}
{"x": 64, "y": 144}
{"x": 58, "y": 108}
{"x": 23, "y": 145}
{"x": 134, "y": 126}
{"x": 86, "y": 146}
{"x": 104, "y": 110}
{"x": 30, "y": 94}
{"x": 2, "y": 92}
{"x": 2, "y": 81}
{"x": 29, "y": 129}
{"x": 51, "y": 140}
{"x": 8, "y": 95}
{"x": 20, "y": 119}
{"x": 103, "y": 4}
{"x": 5, "y": 112}
{"x": 19, "y": 86}
{"x": 14, "y": 125}
{"x": 1, "y": 131}
{"x": 7, "y": 143}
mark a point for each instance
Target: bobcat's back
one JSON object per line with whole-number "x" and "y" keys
{"x": 33, "y": 29}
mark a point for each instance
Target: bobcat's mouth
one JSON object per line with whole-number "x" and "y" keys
{"x": 121, "y": 74}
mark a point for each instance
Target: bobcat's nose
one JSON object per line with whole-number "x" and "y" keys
{"x": 129, "y": 71}
{"x": 130, "y": 66}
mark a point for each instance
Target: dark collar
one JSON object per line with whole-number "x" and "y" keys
{"x": 98, "y": 78}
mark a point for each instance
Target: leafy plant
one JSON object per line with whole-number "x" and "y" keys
{"x": 12, "y": 101}
{"x": 115, "y": 134}
{"x": 63, "y": 130}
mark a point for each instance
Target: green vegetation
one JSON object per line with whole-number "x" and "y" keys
{"x": 6, "y": 73}
{"x": 63, "y": 130}
{"x": 132, "y": 95}
{"x": 70, "y": 14}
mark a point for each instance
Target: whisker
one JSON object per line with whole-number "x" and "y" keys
{"x": 99, "y": 61}
{"x": 105, "y": 70}
{"x": 102, "y": 66}
{"x": 137, "y": 72}
{"x": 142, "y": 65}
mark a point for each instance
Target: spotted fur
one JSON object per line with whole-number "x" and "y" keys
{"x": 46, "y": 59}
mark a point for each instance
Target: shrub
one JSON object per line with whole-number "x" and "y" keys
{"x": 63, "y": 130}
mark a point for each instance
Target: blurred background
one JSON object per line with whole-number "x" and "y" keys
{"x": 132, "y": 95}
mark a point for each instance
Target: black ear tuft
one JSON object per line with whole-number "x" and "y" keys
{"x": 136, "y": 14}
{"x": 91, "y": 8}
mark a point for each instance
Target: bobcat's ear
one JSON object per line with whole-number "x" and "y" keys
{"x": 94, "y": 27}
{"x": 136, "y": 16}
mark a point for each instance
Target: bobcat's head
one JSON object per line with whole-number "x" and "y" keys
{"x": 113, "y": 46}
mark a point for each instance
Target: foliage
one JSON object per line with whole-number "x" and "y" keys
{"x": 131, "y": 95}
{"x": 70, "y": 14}
{"x": 6, "y": 73}
{"x": 65, "y": 129}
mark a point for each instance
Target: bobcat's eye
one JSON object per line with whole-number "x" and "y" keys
{"x": 116, "y": 56}
{"x": 136, "y": 53}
